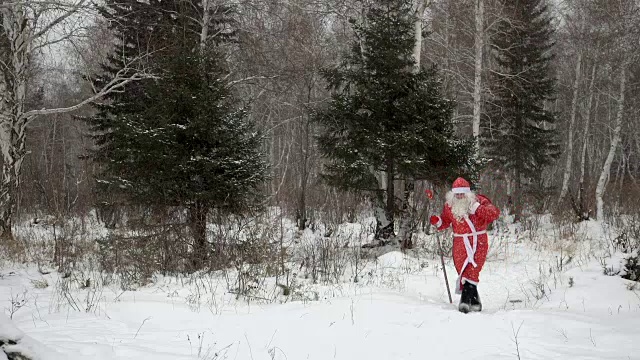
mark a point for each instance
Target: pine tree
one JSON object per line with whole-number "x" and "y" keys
{"x": 386, "y": 116}
{"x": 180, "y": 139}
{"x": 521, "y": 136}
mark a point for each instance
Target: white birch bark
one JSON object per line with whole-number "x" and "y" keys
{"x": 407, "y": 185}
{"x": 206, "y": 19}
{"x": 421, "y": 6}
{"x": 17, "y": 29}
{"x": 26, "y": 28}
{"x": 585, "y": 135}
{"x": 606, "y": 169}
{"x": 574, "y": 108}
{"x": 477, "y": 83}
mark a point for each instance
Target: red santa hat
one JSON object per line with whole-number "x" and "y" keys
{"x": 460, "y": 186}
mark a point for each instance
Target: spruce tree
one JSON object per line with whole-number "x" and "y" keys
{"x": 180, "y": 139}
{"x": 386, "y": 116}
{"x": 520, "y": 135}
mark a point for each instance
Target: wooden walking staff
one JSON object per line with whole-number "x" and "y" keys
{"x": 444, "y": 269}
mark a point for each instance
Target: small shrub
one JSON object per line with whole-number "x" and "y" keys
{"x": 627, "y": 242}
{"x": 17, "y": 302}
{"x": 286, "y": 290}
{"x": 631, "y": 267}
{"x": 40, "y": 284}
{"x": 610, "y": 270}
{"x": 622, "y": 242}
{"x": 325, "y": 259}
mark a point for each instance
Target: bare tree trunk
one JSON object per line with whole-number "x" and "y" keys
{"x": 574, "y": 108}
{"x": 12, "y": 120}
{"x": 477, "y": 83}
{"x": 26, "y": 29}
{"x": 517, "y": 195}
{"x": 12, "y": 145}
{"x": 391, "y": 197}
{"x": 302, "y": 201}
{"x": 198, "y": 216}
{"x": 204, "y": 33}
{"x": 508, "y": 178}
{"x": 404, "y": 230}
{"x": 446, "y": 85}
{"x": 305, "y": 142}
{"x": 606, "y": 169}
{"x": 585, "y": 142}
{"x": 272, "y": 158}
{"x": 6, "y": 201}
{"x": 421, "y": 6}
{"x": 385, "y": 208}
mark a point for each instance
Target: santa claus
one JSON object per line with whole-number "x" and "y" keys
{"x": 469, "y": 215}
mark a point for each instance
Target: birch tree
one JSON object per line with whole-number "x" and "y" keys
{"x": 477, "y": 82}
{"x": 420, "y": 7}
{"x": 405, "y": 229}
{"x": 284, "y": 59}
{"x": 574, "y": 109}
{"x": 580, "y": 206}
{"x": 458, "y": 44}
{"x": 27, "y": 27}
{"x": 615, "y": 141}
{"x": 578, "y": 42}
{"x": 622, "y": 25}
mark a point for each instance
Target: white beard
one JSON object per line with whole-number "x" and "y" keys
{"x": 460, "y": 207}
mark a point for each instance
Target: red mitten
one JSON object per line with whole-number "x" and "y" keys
{"x": 434, "y": 220}
{"x": 429, "y": 193}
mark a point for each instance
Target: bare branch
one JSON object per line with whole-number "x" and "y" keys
{"x": 9, "y": 4}
{"x": 74, "y": 9}
{"x": 235, "y": 82}
{"x": 118, "y": 81}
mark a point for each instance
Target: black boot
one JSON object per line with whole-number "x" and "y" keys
{"x": 465, "y": 304}
{"x": 474, "y": 298}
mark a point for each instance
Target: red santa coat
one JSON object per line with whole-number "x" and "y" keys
{"x": 470, "y": 240}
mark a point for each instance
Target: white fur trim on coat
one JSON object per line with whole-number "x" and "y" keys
{"x": 464, "y": 280}
{"x": 474, "y": 207}
{"x": 461, "y": 190}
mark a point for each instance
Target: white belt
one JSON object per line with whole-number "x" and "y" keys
{"x": 472, "y": 233}
{"x": 471, "y": 250}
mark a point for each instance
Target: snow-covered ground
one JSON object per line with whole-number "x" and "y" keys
{"x": 534, "y": 308}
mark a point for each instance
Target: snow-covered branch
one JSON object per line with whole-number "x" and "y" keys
{"x": 116, "y": 83}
